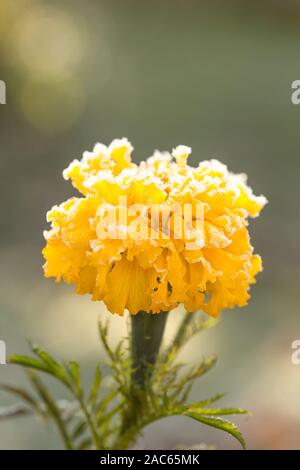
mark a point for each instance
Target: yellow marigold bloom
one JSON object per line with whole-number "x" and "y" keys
{"x": 137, "y": 272}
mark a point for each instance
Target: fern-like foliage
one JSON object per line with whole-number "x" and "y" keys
{"x": 114, "y": 416}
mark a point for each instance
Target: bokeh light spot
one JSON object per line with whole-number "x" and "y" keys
{"x": 52, "y": 106}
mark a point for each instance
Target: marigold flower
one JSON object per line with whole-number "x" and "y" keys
{"x": 157, "y": 273}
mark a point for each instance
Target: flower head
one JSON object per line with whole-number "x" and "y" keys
{"x": 148, "y": 262}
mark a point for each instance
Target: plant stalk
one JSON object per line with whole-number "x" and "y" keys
{"x": 146, "y": 336}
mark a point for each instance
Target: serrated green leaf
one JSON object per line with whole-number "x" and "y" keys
{"x": 190, "y": 326}
{"x": 181, "y": 388}
{"x": 30, "y": 362}
{"x": 95, "y": 387}
{"x": 54, "y": 366}
{"x": 42, "y": 365}
{"x": 208, "y": 401}
{"x": 52, "y": 408}
{"x": 105, "y": 417}
{"x": 109, "y": 431}
{"x": 105, "y": 402}
{"x": 184, "y": 394}
{"x": 217, "y": 411}
{"x": 103, "y": 334}
{"x": 204, "y": 367}
{"x": 221, "y": 424}
{"x": 45, "y": 356}
{"x": 73, "y": 370}
{"x": 79, "y": 430}
{"x": 25, "y": 396}
{"x": 21, "y": 393}
{"x": 85, "y": 444}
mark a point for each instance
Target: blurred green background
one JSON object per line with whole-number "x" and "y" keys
{"x": 213, "y": 75}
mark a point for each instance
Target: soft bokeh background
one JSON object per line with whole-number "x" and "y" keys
{"x": 213, "y": 75}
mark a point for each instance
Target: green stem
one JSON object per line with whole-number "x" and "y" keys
{"x": 146, "y": 336}
{"x": 90, "y": 424}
